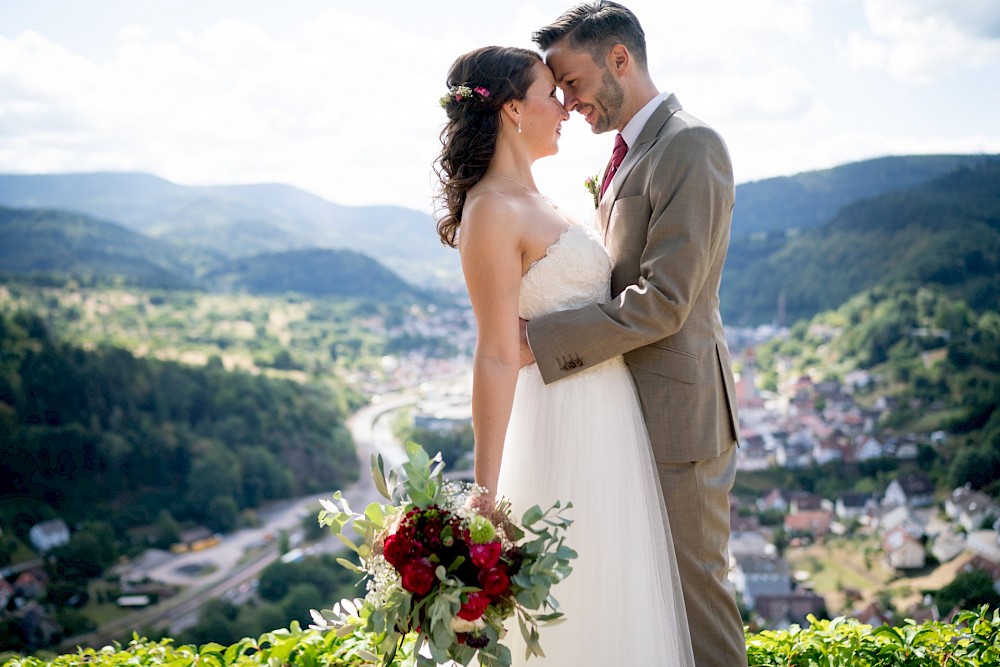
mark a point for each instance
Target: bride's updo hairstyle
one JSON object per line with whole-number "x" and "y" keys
{"x": 479, "y": 84}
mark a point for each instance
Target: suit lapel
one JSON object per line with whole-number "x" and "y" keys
{"x": 646, "y": 139}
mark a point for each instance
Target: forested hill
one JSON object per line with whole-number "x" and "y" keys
{"x": 51, "y": 246}
{"x": 812, "y": 198}
{"x": 316, "y": 273}
{"x": 63, "y": 244}
{"x": 103, "y": 435}
{"x": 232, "y": 221}
{"x": 945, "y": 233}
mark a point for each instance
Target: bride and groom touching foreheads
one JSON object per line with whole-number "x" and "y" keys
{"x": 601, "y": 373}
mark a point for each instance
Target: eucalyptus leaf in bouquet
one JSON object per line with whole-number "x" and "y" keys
{"x": 444, "y": 568}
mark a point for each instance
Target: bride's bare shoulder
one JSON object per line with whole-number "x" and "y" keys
{"x": 492, "y": 215}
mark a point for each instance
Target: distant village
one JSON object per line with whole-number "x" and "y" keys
{"x": 809, "y": 423}
{"x": 24, "y": 590}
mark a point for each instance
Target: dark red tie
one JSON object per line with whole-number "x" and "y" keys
{"x": 616, "y": 160}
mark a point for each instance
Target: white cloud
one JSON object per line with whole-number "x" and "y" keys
{"x": 777, "y": 92}
{"x": 979, "y": 18}
{"x": 854, "y": 145}
{"x": 341, "y": 99}
{"x": 864, "y": 52}
{"x": 231, "y": 103}
{"x": 921, "y": 41}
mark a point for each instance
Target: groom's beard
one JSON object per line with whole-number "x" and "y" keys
{"x": 611, "y": 98}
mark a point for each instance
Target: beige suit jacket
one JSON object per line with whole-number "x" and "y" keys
{"x": 666, "y": 218}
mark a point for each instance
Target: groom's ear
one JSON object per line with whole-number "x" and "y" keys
{"x": 619, "y": 59}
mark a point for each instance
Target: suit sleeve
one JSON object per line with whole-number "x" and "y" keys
{"x": 691, "y": 197}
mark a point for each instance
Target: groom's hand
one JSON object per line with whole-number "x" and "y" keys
{"x": 526, "y": 356}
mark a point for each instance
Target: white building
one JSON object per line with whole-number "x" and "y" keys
{"x": 49, "y": 535}
{"x": 912, "y": 490}
{"x": 867, "y": 447}
{"x": 796, "y": 450}
{"x": 970, "y": 509}
{"x": 743, "y": 544}
{"x": 753, "y": 576}
{"x": 915, "y": 523}
{"x": 903, "y": 551}
{"x": 853, "y": 505}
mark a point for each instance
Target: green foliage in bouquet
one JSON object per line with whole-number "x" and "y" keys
{"x": 444, "y": 568}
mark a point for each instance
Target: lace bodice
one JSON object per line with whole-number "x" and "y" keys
{"x": 575, "y": 272}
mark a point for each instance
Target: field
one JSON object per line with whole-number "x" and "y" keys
{"x": 841, "y": 564}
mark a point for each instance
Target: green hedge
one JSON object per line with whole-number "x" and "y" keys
{"x": 972, "y": 640}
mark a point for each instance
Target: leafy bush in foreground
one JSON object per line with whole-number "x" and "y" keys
{"x": 972, "y": 640}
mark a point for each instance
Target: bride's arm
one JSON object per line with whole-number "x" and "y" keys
{"x": 490, "y": 244}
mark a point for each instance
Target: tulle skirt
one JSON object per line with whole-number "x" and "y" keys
{"x": 583, "y": 440}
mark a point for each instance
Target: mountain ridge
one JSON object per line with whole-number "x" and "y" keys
{"x": 44, "y": 244}
{"x": 229, "y": 221}
{"x": 774, "y": 221}
{"x": 38, "y": 242}
{"x": 945, "y": 232}
{"x": 811, "y": 198}
{"x": 314, "y": 272}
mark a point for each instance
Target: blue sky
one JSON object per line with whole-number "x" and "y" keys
{"x": 340, "y": 98}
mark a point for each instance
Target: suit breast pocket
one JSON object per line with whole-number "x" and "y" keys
{"x": 627, "y": 228}
{"x": 638, "y": 206}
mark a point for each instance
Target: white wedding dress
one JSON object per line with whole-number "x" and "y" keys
{"x": 582, "y": 439}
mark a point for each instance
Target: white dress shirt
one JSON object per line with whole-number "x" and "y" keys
{"x": 630, "y": 133}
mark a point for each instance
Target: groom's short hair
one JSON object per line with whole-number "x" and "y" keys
{"x": 595, "y": 27}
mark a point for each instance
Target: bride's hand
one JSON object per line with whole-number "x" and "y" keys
{"x": 527, "y": 357}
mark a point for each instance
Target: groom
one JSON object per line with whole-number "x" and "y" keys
{"x": 665, "y": 213}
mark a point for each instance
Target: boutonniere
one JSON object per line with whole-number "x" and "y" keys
{"x": 593, "y": 187}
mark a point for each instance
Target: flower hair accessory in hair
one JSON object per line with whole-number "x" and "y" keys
{"x": 463, "y": 92}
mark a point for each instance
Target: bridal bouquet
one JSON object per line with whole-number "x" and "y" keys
{"x": 445, "y": 569}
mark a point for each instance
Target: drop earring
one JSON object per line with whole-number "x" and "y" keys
{"x": 519, "y": 125}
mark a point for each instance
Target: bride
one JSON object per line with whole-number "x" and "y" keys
{"x": 581, "y": 439}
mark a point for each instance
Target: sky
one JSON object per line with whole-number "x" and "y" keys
{"x": 340, "y": 97}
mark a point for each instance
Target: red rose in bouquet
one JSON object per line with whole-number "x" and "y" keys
{"x": 400, "y": 550}
{"x": 486, "y": 555}
{"x": 494, "y": 581}
{"x": 474, "y": 607}
{"x": 418, "y": 576}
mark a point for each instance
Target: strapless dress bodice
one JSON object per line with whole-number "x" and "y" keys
{"x": 575, "y": 272}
